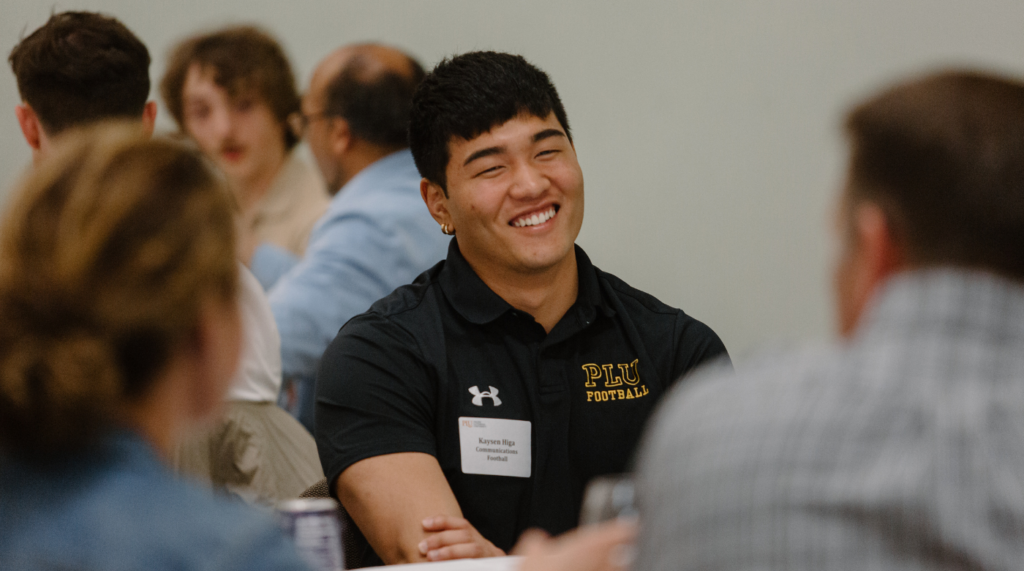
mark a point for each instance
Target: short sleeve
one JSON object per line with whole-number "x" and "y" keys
{"x": 697, "y": 346}
{"x": 375, "y": 395}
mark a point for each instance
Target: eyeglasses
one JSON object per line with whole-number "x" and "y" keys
{"x": 301, "y": 121}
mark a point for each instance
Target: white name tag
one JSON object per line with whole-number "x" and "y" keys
{"x": 495, "y": 446}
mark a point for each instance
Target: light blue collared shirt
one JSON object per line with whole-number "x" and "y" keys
{"x": 376, "y": 235}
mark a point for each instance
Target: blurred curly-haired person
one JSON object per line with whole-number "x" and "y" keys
{"x": 233, "y": 92}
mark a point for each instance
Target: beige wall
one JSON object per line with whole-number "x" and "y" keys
{"x": 707, "y": 130}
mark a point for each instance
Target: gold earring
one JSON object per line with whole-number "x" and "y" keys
{"x": 447, "y": 230}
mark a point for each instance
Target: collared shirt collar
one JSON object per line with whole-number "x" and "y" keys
{"x": 589, "y": 295}
{"x": 368, "y": 179}
{"x": 478, "y": 304}
{"x": 945, "y": 301}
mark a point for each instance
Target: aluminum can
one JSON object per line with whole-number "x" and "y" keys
{"x": 314, "y": 526}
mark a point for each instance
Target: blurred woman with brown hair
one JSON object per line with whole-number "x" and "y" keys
{"x": 119, "y": 327}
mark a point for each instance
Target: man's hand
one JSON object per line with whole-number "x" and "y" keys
{"x": 454, "y": 538}
{"x": 604, "y": 547}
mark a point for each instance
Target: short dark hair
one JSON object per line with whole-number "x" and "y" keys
{"x": 81, "y": 67}
{"x": 244, "y": 60}
{"x": 470, "y": 94}
{"x": 943, "y": 156}
{"x": 375, "y": 105}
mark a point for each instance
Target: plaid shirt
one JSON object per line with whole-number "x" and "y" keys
{"x": 902, "y": 448}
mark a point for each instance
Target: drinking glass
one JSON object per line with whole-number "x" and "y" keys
{"x": 608, "y": 497}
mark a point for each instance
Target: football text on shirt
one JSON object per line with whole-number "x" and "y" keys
{"x": 623, "y": 386}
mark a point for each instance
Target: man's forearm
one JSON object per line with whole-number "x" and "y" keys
{"x": 389, "y": 496}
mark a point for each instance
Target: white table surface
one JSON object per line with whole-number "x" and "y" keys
{"x": 510, "y": 563}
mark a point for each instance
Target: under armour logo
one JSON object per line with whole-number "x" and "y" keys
{"x": 478, "y": 397}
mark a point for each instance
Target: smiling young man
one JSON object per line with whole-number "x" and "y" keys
{"x": 478, "y": 401}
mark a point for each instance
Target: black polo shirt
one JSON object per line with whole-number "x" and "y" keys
{"x": 414, "y": 372}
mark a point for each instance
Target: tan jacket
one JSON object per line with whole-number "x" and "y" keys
{"x": 296, "y": 200}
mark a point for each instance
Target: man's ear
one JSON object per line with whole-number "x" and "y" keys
{"x": 883, "y": 255}
{"x": 871, "y": 255}
{"x": 340, "y": 136}
{"x": 436, "y": 201}
{"x": 30, "y": 127}
{"x": 149, "y": 117}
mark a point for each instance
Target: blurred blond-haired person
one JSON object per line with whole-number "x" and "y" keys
{"x": 121, "y": 328}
